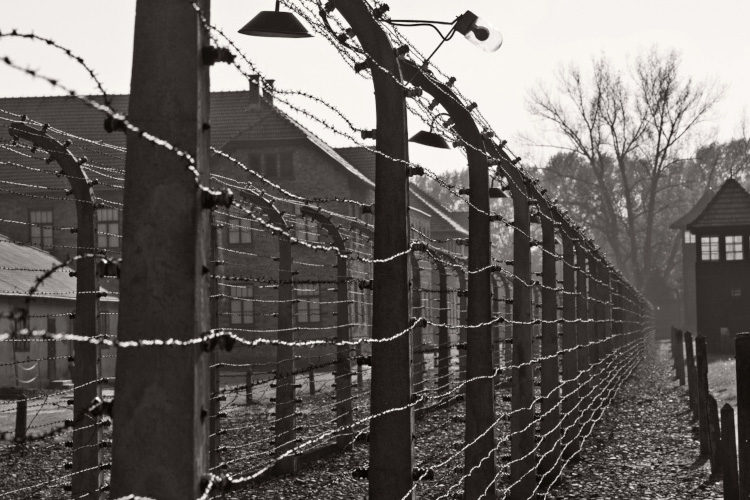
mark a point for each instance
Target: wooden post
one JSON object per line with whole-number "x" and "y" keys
{"x": 570, "y": 392}
{"x": 742, "y": 349}
{"x": 86, "y": 482}
{"x": 582, "y": 335}
{"x": 159, "y": 443}
{"x": 729, "y": 454}
{"x": 391, "y": 448}
{"x": 702, "y": 371}
{"x": 311, "y": 380}
{"x": 691, "y": 374}
{"x": 20, "y": 436}
{"x": 714, "y": 434}
{"x": 679, "y": 357}
{"x": 249, "y": 386}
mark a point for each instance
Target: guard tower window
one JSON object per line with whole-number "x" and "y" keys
{"x": 710, "y": 248}
{"x": 689, "y": 237}
{"x": 733, "y": 247}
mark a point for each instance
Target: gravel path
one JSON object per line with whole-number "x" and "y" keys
{"x": 644, "y": 447}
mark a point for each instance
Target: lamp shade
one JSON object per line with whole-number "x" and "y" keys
{"x": 275, "y": 24}
{"x": 429, "y": 139}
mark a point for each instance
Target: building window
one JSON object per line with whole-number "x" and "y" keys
{"x": 239, "y": 231}
{"x": 41, "y": 228}
{"x": 689, "y": 237}
{"x": 108, "y": 227}
{"x": 733, "y": 247}
{"x": 308, "y": 303}
{"x": 241, "y": 306}
{"x": 710, "y": 248}
{"x": 736, "y": 292}
{"x": 272, "y": 165}
{"x": 20, "y": 319}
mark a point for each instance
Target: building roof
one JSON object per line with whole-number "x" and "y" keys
{"x": 233, "y": 117}
{"x": 364, "y": 160}
{"x": 21, "y": 265}
{"x": 729, "y": 208}
{"x": 694, "y": 212}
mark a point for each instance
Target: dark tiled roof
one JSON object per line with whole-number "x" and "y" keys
{"x": 20, "y": 265}
{"x": 730, "y": 207}
{"x": 361, "y": 158}
{"x": 233, "y": 117}
{"x": 694, "y": 212}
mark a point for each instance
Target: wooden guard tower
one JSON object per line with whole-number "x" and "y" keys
{"x": 722, "y": 268}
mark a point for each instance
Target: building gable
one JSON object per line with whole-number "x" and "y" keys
{"x": 729, "y": 208}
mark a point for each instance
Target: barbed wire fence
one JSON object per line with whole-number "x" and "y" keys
{"x": 562, "y": 339}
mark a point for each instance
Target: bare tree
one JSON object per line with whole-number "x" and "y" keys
{"x": 623, "y": 137}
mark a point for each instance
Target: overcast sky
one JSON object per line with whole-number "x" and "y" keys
{"x": 539, "y": 37}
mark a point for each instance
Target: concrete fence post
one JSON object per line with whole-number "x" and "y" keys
{"x": 729, "y": 454}
{"x": 742, "y": 349}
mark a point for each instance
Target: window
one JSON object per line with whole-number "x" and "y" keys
{"x": 41, "y": 228}
{"x": 107, "y": 325}
{"x": 20, "y": 319}
{"x": 689, "y": 237}
{"x": 710, "y": 248}
{"x": 108, "y": 227}
{"x": 308, "y": 303}
{"x": 241, "y": 306}
{"x": 272, "y": 165}
{"x": 239, "y": 231}
{"x": 733, "y": 247}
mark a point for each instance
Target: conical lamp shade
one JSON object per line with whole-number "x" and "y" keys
{"x": 275, "y": 24}
{"x": 429, "y": 139}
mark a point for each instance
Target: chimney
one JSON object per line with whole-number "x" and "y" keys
{"x": 261, "y": 90}
{"x": 255, "y": 93}
{"x": 268, "y": 91}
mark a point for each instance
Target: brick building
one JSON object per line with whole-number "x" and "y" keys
{"x": 35, "y": 209}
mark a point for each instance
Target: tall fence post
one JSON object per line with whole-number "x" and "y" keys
{"x": 217, "y": 264}
{"x": 582, "y": 336}
{"x": 570, "y": 391}
{"x": 444, "y": 348}
{"x": 522, "y": 468}
{"x": 479, "y": 461}
{"x": 343, "y": 374}
{"x": 285, "y": 428}
{"x": 550, "y": 393}
{"x": 702, "y": 372}
{"x": 679, "y": 357}
{"x": 391, "y": 445}
{"x": 86, "y": 482}
{"x": 418, "y": 363}
{"x": 160, "y": 439}
{"x": 742, "y": 349}
{"x": 691, "y": 374}
{"x": 729, "y": 454}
